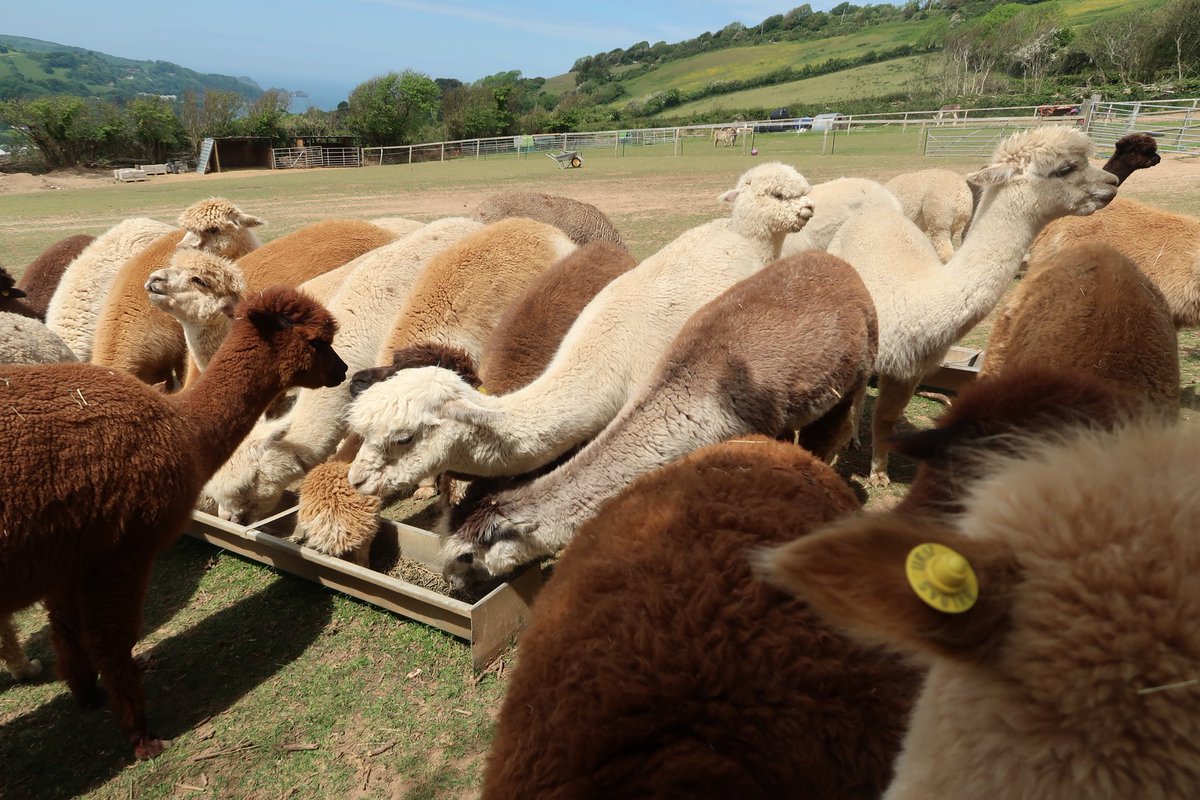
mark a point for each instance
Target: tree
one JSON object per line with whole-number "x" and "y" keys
{"x": 58, "y": 127}
{"x": 210, "y": 114}
{"x": 1121, "y": 46}
{"x": 265, "y": 116}
{"x": 155, "y": 127}
{"x": 1037, "y": 35}
{"x": 1179, "y": 36}
{"x": 391, "y": 108}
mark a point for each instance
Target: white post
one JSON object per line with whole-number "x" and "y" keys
{"x": 410, "y": 155}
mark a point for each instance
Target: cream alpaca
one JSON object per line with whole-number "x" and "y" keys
{"x": 1072, "y": 676}
{"x": 834, "y": 202}
{"x": 425, "y": 421}
{"x": 939, "y": 202}
{"x": 924, "y": 306}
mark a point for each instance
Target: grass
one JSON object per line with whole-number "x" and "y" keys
{"x": 245, "y": 660}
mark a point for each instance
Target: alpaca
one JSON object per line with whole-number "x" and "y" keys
{"x": 25, "y": 340}
{"x": 337, "y": 520}
{"x": 12, "y": 299}
{"x": 41, "y": 277}
{"x": 788, "y": 348}
{"x": 939, "y": 202}
{"x": 421, "y": 422}
{"x": 81, "y": 523}
{"x": 1092, "y": 309}
{"x": 1163, "y": 245}
{"x": 924, "y": 306}
{"x": 581, "y": 221}
{"x": 1070, "y": 672}
{"x": 1132, "y": 152}
{"x": 834, "y": 202}
{"x": 134, "y": 336}
{"x": 75, "y": 308}
{"x": 656, "y": 665}
{"x": 456, "y": 299}
{"x": 397, "y": 226}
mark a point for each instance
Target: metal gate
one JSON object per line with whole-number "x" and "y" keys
{"x": 965, "y": 142}
{"x": 1175, "y": 124}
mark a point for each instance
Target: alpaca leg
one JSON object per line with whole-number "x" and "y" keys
{"x": 894, "y": 394}
{"x": 826, "y": 436}
{"x": 427, "y": 489}
{"x": 71, "y": 659}
{"x": 14, "y": 658}
{"x": 860, "y": 397}
{"x": 112, "y": 621}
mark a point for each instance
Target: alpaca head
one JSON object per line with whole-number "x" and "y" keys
{"x": 412, "y": 425}
{"x": 1074, "y": 672}
{"x": 492, "y": 541}
{"x": 10, "y": 295}
{"x": 198, "y": 286}
{"x": 1138, "y": 150}
{"x": 1050, "y": 164}
{"x": 218, "y": 226}
{"x": 299, "y": 331}
{"x": 769, "y": 201}
{"x": 249, "y": 485}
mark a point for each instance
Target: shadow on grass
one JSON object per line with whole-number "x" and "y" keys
{"x": 177, "y": 573}
{"x": 61, "y": 750}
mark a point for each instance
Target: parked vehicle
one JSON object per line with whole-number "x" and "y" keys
{"x": 830, "y": 121}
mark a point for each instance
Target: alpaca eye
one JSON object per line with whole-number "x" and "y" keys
{"x": 402, "y": 439}
{"x": 213, "y": 230}
{"x": 1065, "y": 169}
{"x": 200, "y": 282}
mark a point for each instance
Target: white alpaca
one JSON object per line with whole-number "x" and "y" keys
{"x": 74, "y": 309}
{"x": 472, "y": 271}
{"x": 924, "y": 306}
{"x": 834, "y": 202}
{"x": 421, "y": 422}
{"x": 939, "y": 202}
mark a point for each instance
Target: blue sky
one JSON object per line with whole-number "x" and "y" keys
{"x": 326, "y": 48}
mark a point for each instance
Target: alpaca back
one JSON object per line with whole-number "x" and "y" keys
{"x": 461, "y": 294}
{"x": 1090, "y": 308}
{"x": 581, "y": 221}
{"x": 657, "y": 665}
{"x": 79, "y": 299}
{"x": 532, "y": 327}
{"x": 28, "y": 341}
{"x": 41, "y": 277}
{"x": 310, "y": 251}
{"x": 834, "y": 202}
{"x": 1165, "y": 246}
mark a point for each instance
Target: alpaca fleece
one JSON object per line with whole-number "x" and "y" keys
{"x": 1085, "y": 548}
{"x": 657, "y": 665}
{"x": 41, "y": 277}
{"x": 939, "y": 202}
{"x": 581, "y": 221}
{"x": 103, "y": 473}
{"x": 834, "y": 202}
{"x": 25, "y": 340}
{"x": 788, "y": 348}
{"x": 1092, "y": 309}
{"x": 12, "y": 299}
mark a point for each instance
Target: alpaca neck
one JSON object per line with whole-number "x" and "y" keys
{"x": 204, "y": 337}
{"x": 1118, "y": 166}
{"x": 228, "y": 398}
{"x": 967, "y": 288}
{"x": 767, "y": 249}
{"x": 533, "y": 426}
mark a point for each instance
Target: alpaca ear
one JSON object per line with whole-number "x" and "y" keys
{"x": 729, "y": 196}
{"x": 228, "y": 306}
{"x": 465, "y": 411}
{"x": 364, "y": 379}
{"x": 854, "y": 573}
{"x": 190, "y": 241}
{"x": 992, "y": 175}
{"x": 248, "y": 220}
{"x": 269, "y": 322}
{"x": 13, "y": 292}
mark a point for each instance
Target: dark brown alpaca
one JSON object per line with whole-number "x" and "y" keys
{"x": 13, "y": 299}
{"x": 657, "y": 665}
{"x": 788, "y": 348}
{"x": 41, "y": 277}
{"x": 1132, "y": 152}
{"x": 103, "y": 471}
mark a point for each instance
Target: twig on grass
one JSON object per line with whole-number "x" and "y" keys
{"x": 383, "y": 748}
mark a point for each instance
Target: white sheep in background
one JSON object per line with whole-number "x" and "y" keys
{"x": 75, "y": 306}
{"x": 421, "y": 422}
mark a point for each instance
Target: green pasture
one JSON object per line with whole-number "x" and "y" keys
{"x": 813, "y": 95}
{"x": 245, "y": 663}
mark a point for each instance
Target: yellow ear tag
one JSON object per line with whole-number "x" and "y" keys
{"x": 942, "y": 578}
{"x": 483, "y": 390}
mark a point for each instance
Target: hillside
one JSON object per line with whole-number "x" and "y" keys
{"x": 894, "y": 47}
{"x": 32, "y": 67}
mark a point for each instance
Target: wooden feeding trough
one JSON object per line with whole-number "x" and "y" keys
{"x": 487, "y": 624}
{"x": 958, "y": 369}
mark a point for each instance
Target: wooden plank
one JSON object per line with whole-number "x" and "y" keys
{"x": 958, "y": 370}
{"x": 206, "y": 148}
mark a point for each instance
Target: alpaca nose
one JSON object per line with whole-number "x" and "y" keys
{"x": 156, "y": 285}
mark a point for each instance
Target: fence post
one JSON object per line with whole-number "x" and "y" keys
{"x": 410, "y": 155}
{"x": 1187, "y": 118}
{"x": 476, "y": 149}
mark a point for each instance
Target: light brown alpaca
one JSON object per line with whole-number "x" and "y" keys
{"x": 1071, "y": 673}
{"x": 1163, "y": 245}
{"x": 924, "y": 306}
{"x": 1091, "y": 308}
{"x": 132, "y": 335}
{"x": 81, "y": 524}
